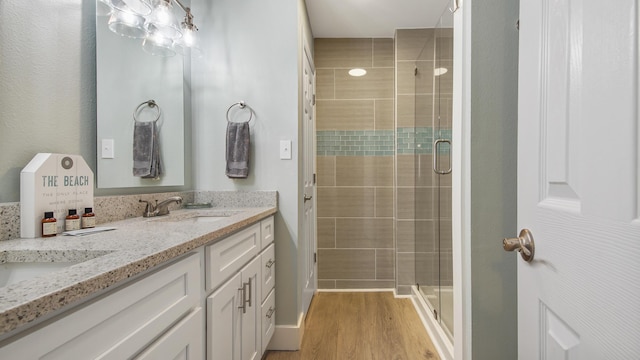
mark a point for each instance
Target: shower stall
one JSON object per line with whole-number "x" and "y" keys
{"x": 433, "y": 126}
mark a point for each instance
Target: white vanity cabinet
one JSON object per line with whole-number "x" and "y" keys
{"x": 125, "y": 322}
{"x": 235, "y": 309}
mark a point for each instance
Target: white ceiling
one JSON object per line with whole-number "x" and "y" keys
{"x": 371, "y": 18}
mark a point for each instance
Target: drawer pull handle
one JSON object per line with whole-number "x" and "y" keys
{"x": 270, "y": 263}
{"x": 270, "y": 312}
{"x": 244, "y": 293}
{"x": 249, "y": 283}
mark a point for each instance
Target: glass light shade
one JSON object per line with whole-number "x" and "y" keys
{"x": 127, "y": 24}
{"x": 137, "y": 7}
{"x": 156, "y": 44}
{"x": 164, "y": 21}
{"x": 188, "y": 43}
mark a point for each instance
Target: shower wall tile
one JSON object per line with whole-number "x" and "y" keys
{"x": 383, "y": 52}
{"x": 411, "y": 42}
{"x": 345, "y": 114}
{"x": 346, "y": 264}
{"x": 325, "y": 84}
{"x": 408, "y": 83}
{"x": 377, "y": 84}
{"x": 415, "y": 236}
{"x": 346, "y": 201}
{"x": 384, "y": 114}
{"x": 365, "y": 284}
{"x": 364, "y": 233}
{"x": 364, "y": 171}
{"x": 415, "y": 170}
{"x": 445, "y": 236}
{"x": 384, "y": 202}
{"x": 403, "y": 289}
{"x": 415, "y": 203}
{"x": 426, "y": 269}
{"x": 326, "y": 284}
{"x": 343, "y": 53}
{"x": 385, "y": 265}
{"x": 445, "y": 81}
{"x": 326, "y": 170}
{"x": 444, "y": 43}
{"x": 326, "y": 233}
{"x": 445, "y": 202}
{"x": 356, "y": 135}
{"x": 406, "y": 269}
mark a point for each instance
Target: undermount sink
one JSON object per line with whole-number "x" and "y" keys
{"x": 13, "y": 272}
{"x": 200, "y": 216}
{"x": 19, "y": 265}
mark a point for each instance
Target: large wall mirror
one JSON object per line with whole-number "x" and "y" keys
{"x": 126, "y": 77}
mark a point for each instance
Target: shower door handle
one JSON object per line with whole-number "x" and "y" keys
{"x": 436, "y": 167}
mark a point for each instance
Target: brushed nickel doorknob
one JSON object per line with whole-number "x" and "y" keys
{"x": 523, "y": 243}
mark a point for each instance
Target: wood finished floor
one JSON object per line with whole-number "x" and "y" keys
{"x": 361, "y": 325}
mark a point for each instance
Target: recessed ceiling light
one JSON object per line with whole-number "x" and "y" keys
{"x": 357, "y": 72}
{"x": 439, "y": 71}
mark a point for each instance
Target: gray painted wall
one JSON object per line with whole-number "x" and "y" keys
{"x": 494, "y": 114}
{"x": 48, "y": 89}
{"x": 251, "y": 53}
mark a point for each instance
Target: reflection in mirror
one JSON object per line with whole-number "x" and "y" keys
{"x": 127, "y": 77}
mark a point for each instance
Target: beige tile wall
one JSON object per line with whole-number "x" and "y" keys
{"x": 356, "y": 245}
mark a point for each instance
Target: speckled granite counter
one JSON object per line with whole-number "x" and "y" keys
{"x": 107, "y": 259}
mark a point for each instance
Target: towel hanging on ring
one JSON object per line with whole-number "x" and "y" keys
{"x": 146, "y": 145}
{"x": 238, "y": 145}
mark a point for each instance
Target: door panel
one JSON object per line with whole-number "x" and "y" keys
{"x": 578, "y": 180}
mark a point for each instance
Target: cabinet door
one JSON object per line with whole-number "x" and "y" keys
{"x": 251, "y": 326}
{"x": 224, "y": 321}
{"x": 182, "y": 341}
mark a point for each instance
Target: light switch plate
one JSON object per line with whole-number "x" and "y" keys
{"x": 285, "y": 149}
{"x": 107, "y": 149}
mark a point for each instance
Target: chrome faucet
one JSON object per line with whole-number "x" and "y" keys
{"x": 161, "y": 208}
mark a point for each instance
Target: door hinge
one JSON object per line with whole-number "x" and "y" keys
{"x": 314, "y": 99}
{"x": 314, "y": 179}
{"x": 315, "y": 258}
{"x": 415, "y": 71}
{"x": 435, "y": 313}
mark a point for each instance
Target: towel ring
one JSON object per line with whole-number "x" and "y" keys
{"x": 150, "y": 103}
{"x": 242, "y": 105}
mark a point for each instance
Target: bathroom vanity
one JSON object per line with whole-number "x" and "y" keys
{"x": 194, "y": 284}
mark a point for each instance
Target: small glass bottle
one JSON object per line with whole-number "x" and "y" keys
{"x": 49, "y": 225}
{"x": 88, "y": 218}
{"x": 72, "y": 221}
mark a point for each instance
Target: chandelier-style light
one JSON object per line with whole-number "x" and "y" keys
{"x": 155, "y": 22}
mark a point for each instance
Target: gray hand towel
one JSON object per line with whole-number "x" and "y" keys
{"x": 238, "y": 145}
{"x": 146, "y": 150}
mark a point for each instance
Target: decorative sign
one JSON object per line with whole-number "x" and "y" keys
{"x": 53, "y": 182}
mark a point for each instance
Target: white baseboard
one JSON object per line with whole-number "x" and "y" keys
{"x": 356, "y": 290}
{"x": 288, "y": 337}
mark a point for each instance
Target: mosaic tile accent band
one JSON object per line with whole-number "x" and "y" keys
{"x": 379, "y": 142}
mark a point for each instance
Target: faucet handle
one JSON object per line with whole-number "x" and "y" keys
{"x": 149, "y": 209}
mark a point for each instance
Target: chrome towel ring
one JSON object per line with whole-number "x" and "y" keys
{"x": 150, "y": 103}
{"x": 241, "y": 105}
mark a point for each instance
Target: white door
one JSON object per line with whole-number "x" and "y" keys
{"x": 309, "y": 221}
{"x": 578, "y": 180}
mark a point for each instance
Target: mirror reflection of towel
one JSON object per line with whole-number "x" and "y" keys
{"x": 238, "y": 145}
{"x": 146, "y": 150}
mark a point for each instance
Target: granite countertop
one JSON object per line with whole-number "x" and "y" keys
{"x": 106, "y": 259}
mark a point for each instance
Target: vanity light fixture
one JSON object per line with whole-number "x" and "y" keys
{"x": 357, "y": 72}
{"x": 156, "y": 23}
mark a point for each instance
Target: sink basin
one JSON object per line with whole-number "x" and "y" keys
{"x": 13, "y": 272}
{"x": 19, "y": 265}
{"x": 200, "y": 216}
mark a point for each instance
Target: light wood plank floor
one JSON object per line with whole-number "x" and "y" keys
{"x": 361, "y": 325}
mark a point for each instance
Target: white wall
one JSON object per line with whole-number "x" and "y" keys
{"x": 251, "y": 54}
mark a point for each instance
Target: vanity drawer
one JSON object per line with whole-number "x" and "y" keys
{"x": 266, "y": 232}
{"x": 268, "y": 319}
{"x": 228, "y": 256}
{"x": 268, "y": 259}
